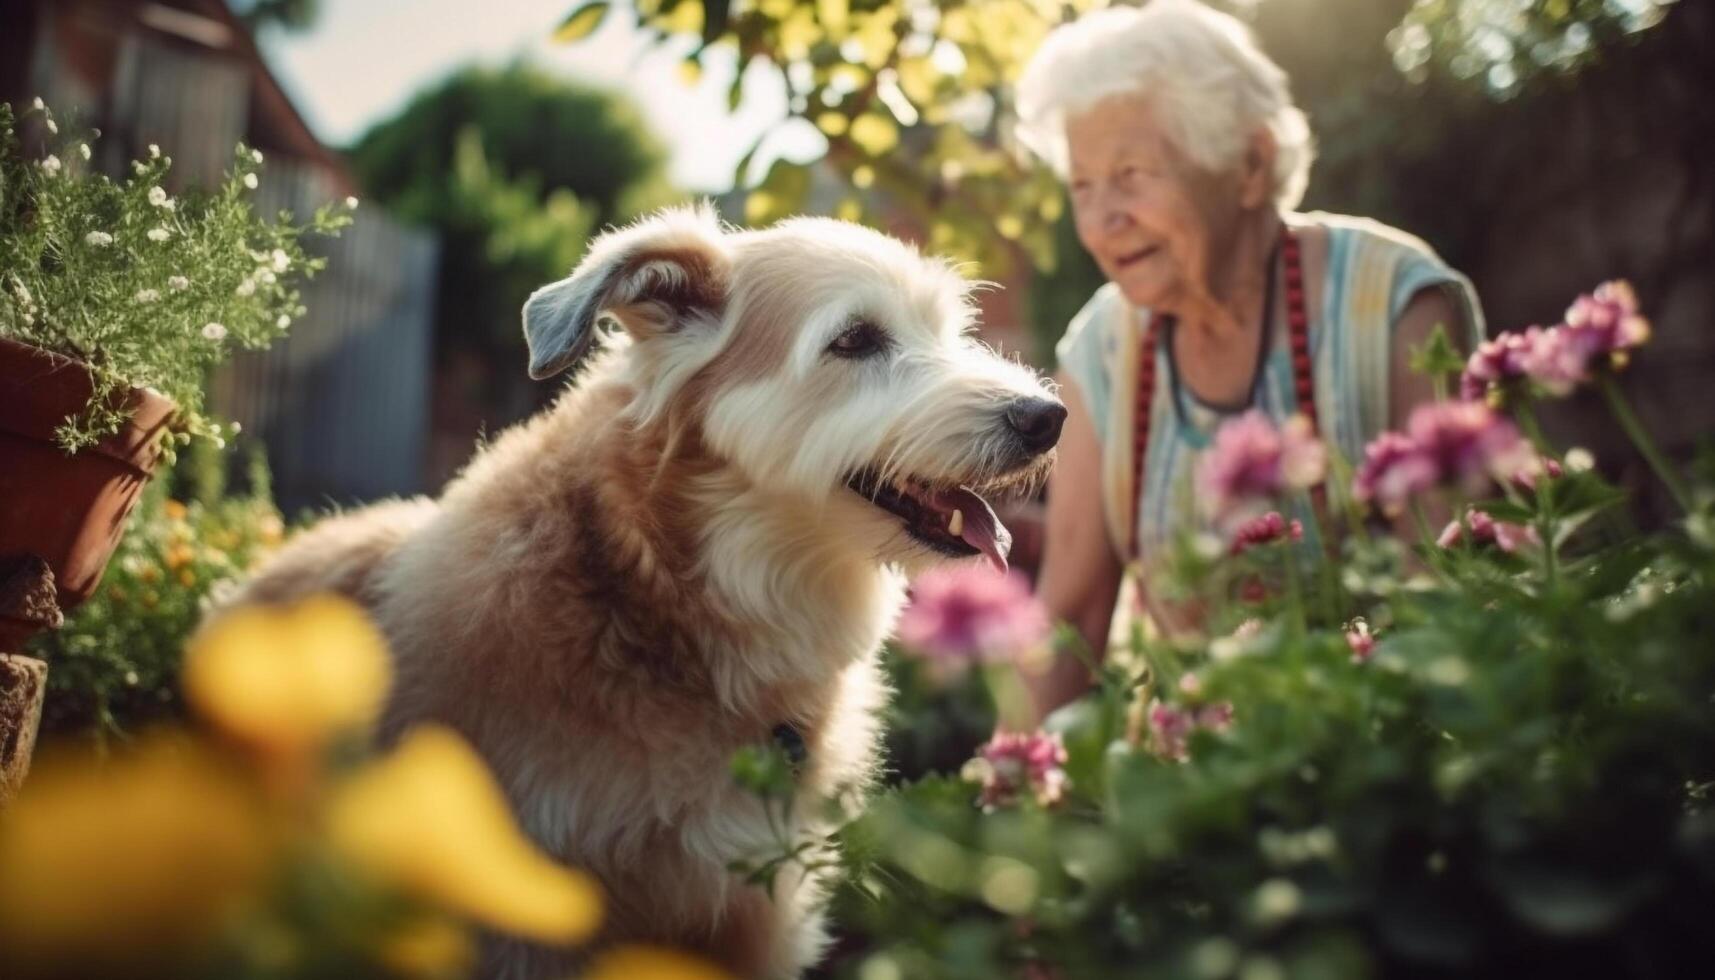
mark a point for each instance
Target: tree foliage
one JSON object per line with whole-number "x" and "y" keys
{"x": 913, "y": 95}
{"x": 514, "y": 169}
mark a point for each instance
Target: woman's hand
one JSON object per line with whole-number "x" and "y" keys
{"x": 1080, "y": 574}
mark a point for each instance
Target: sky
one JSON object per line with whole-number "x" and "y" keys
{"x": 364, "y": 59}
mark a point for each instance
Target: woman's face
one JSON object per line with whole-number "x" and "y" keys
{"x": 1154, "y": 222}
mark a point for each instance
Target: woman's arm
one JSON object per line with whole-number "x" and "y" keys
{"x": 1080, "y": 574}
{"x": 1407, "y": 389}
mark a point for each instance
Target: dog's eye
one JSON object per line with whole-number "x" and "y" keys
{"x": 861, "y": 339}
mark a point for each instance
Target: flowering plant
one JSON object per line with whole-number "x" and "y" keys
{"x": 149, "y": 288}
{"x": 1476, "y": 750}
{"x": 269, "y": 841}
{"x": 115, "y": 662}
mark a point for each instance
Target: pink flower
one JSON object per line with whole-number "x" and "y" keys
{"x": 1462, "y": 444}
{"x": 966, "y": 613}
{"x": 1469, "y": 444}
{"x": 1525, "y": 480}
{"x": 1486, "y": 530}
{"x": 1251, "y": 461}
{"x": 1603, "y": 326}
{"x": 1170, "y": 730}
{"x": 1558, "y": 361}
{"x": 1170, "y": 726}
{"x": 1267, "y": 529}
{"x": 1361, "y": 641}
{"x": 1013, "y": 764}
{"x": 1395, "y": 468}
{"x": 1216, "y": 717}
{"x": 1611, "y": 313}
{"x": 1496, "y": 362}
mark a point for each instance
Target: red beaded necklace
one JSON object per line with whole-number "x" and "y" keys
{"x": 1298, "y": 330}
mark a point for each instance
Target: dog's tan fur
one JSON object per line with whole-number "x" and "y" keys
{"x": 609, "y": 609}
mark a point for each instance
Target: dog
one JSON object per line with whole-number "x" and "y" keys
{"x": 702, "y": 543}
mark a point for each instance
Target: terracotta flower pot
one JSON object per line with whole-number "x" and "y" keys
{"x": 67, "y": 509}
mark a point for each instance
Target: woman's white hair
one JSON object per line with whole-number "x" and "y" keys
{"x": 1201, "y": 69}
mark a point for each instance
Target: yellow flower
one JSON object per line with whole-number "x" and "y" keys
{"x": 651, "y": 963}
{"x": 187, "y": 578}
{"x": 175, "y": 510}
{"x": 109, "y": 868}
{"x": 429, "y": 947}
{"x": 289, "y": 677}
{"x": 270, "y": 529}
{"x": 430, "y": 820}
{"x": 179, "y": 555}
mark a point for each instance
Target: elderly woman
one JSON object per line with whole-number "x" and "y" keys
{"x": 1185, "y": 158}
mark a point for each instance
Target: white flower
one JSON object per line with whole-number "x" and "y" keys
{"x": 351, "y": 203}
{"x": 154, "y": 152}
{"x": 282, "y": 261}
{"x": 23, "y": 293}
{"x": 53, "y": 127}
{"x": 37, "y": 104}
{"x": 178, "y": 283}
{"x": 157, "y": 197}
{"x": 169, "y": 205}
{"x": 50, "y": 165}
{"x": 148, "y": 295}
{"x": 256, "y": 155}
{"x": 138, "y": 167}
{"x": 246, "y": 288}
{"x": 214, "y": 331}
{"x": 83, "y": 150}
{"x": 100, "y": 239}
{"x": 250, "y": 181}
{"x": 267, "y": 277}
{"x": 159, "y": 234}
{"x": 283, "y": 322}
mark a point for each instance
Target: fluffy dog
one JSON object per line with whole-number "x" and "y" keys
{"x": 702, "y": 543}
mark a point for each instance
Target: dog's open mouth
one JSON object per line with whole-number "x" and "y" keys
{"x": 954, "y": 521}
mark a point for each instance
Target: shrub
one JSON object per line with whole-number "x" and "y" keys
{"x": 149, "y": 289}
{"x": 113, "y": 666}
{"x": 1489, "y": 755}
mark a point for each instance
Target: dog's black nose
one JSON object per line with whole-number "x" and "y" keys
{"x": 1037, "y": 422}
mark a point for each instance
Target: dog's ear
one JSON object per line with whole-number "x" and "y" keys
{"x": 653, "y": 277}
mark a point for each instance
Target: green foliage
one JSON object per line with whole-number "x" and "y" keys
{"x": 532, "y": 127}
{"x": 514, "y": 169}
{"x": 148, "y": 289}
{"x": 114, "y": 666}
{"x": 1519, "y": 775}
{"x": 1504, "y": 43}
{"x": 913, "y": 96}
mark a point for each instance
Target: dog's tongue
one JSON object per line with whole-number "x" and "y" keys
{"x": 982, "y": 530}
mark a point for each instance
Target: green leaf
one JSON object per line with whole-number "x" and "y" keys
{"x": 1506, "y": 510}
{"x": 1578, "y": 493}
{"x": 1437, "y": 356}
{"x": 581, "y": 23}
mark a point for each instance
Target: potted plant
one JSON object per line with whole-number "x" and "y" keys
{"x": 117, "y": 298}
